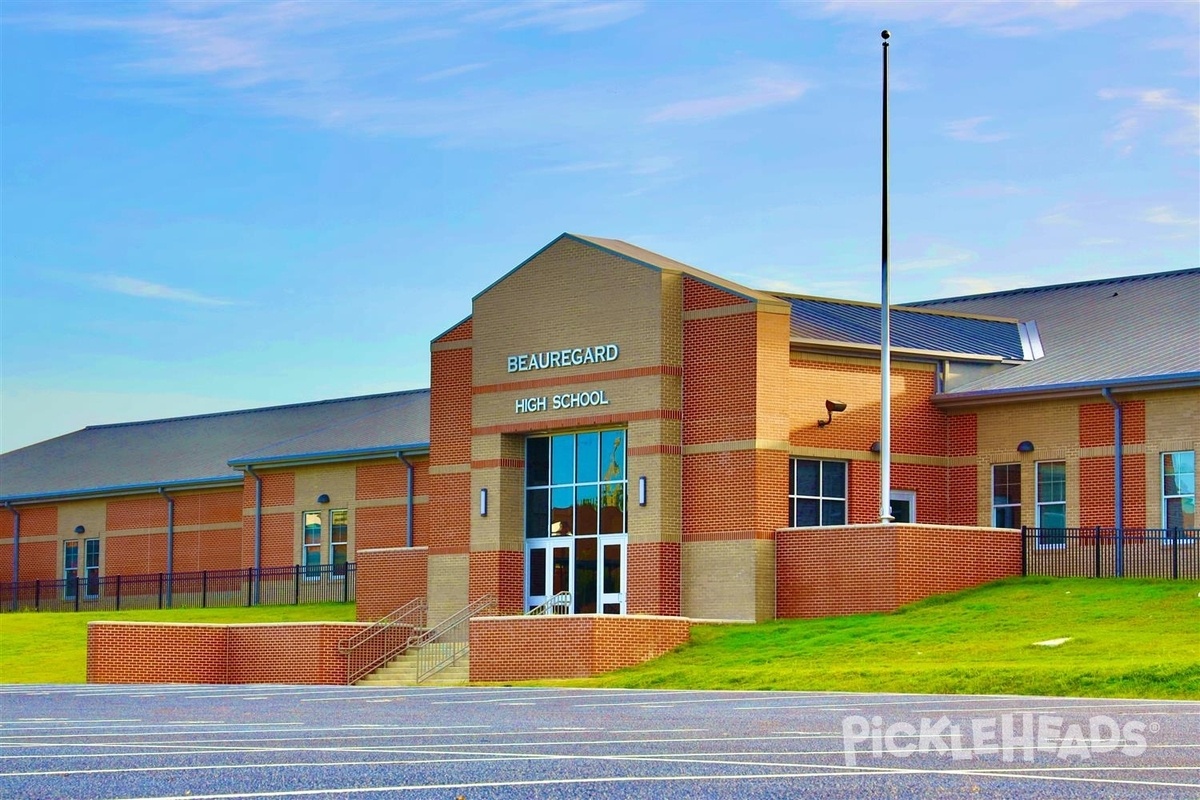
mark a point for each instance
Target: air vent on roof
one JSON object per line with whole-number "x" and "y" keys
{"x": 1031, "y": 341}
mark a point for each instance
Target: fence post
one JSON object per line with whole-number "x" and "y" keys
{"x": 1024, "y": 557}
{"x": 346, "y": 585}
{"x": 37, "y": 595}
{"x": 296, "y": 584}
{"x": 160, "y": 590}
{"x": 1175, "y": 555}
{"x": 118, "y": 593}
{"x": 78, "y": 591}
{"x": 1097, "y": 543}
{"x": 204, "y": 589}
{"x": 249, "y": 586}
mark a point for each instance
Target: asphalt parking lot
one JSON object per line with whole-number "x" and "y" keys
{"x": 196, "y": 742}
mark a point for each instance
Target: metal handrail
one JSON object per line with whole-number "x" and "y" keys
{"x": 384, "y": 640}
{"x": 557, "y": 604}
{"x": 448, "y": 641}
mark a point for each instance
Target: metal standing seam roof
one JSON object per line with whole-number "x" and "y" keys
{"x": 199, "y": 449}
{"x": 1121, "y": 330}
{"x": 858, "y": 323}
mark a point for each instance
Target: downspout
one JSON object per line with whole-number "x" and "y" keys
{"x": 1118, "y": 459}
{"x": 409, "y": 520}
{"x": 16, "y": 550}
{"x": 257, "y": 528}
{"x": 170, "y": 541}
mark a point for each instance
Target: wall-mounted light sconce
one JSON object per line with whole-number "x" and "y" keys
{"x": 1025, "y": 447}
{"x": 79, "y": 529}
{"x": 642, "y": 491}
{"x": 876, "y": 448}
{"x": 831, "y": 407}
{"x": 322, "y": 498}
{"x": 483, "y": 502}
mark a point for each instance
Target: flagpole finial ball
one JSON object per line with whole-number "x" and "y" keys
{"x": 886, "y": 35}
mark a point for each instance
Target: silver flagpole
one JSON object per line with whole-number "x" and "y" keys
{"x": 885, "y": 335}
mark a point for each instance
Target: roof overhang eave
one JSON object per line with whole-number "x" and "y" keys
{"x": 1148, "y": 383}
{"x": 331, "y": 456}
{"x": 856, "y": 348}
{"x": 123, "y": 489}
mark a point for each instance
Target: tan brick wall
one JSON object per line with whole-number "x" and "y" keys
{"x": 723, "y": 579}
{"x": 531, "y": 648}
{"x": 449, "y": 579}
{"x": 1079, "y": 431}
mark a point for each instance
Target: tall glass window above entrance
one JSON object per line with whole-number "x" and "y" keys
{"x": 575, "y": 484}
{"x": 575, "y": 519}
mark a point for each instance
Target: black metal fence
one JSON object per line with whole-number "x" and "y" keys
{"x": 1111, "y": 552}
{"x": 270, "y": 586}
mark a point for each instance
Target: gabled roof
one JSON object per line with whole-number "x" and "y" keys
{"x": 838, "y": 321}
{"x": 199, "y": 450}
{"x": 651, "y": 260}
{"x": 1135, "y": 330}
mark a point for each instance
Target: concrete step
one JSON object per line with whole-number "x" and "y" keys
{"x": 402, "y": 670}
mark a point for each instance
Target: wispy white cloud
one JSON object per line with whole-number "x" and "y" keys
{"x": 937, "y": 255}
{"x": 356, "y": 66}
{"x": 451, "y": 72}
{"x": 1009, "y": 18}
{"x": 136, "y": 287}
{"x": 757, "y": 93}
{"x": 1180, "y": 118}
{"x": 560, "y": 16}
{"x": 967, "y": 130}
{"x": 1061, "y": 215}
{"x": 1165, "y": 215}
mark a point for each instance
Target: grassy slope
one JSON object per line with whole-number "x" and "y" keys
{"x": 52, "y": 648}
{"x": 1130, "y": 639}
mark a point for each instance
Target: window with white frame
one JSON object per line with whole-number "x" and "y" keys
{"x": 816, "y": 493}
{"x": 1052, "y": 503}
{"x": 339, "y": 537}
{"x": 70, "y": 568}
{"x": 1006, "y": 495}
{"x": 91, "y": 568}
{"x": 1179, "y": 491}
{"x": 313, "y": 539}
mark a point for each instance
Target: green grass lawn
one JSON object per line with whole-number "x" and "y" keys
{"x": 1130, "y": 638}
{"x": 52, "y": 647}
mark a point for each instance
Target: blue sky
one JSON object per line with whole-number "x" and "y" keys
{"x": 218, "y": 205}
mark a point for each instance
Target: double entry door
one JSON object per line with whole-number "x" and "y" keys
{"x": 591, "y": 568}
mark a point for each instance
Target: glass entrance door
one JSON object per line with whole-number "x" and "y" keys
{"x": 575, "y": 517}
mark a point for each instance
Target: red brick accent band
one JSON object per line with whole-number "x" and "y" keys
{"x": 136, "y": 652}
{"x": 656, "y": 450}
{"x": 531, "y": 648}
{"x": 578, "y": 422}
{"x": 590, "y": 377}
{"x": 863, "y": 568}
{"x": 489, "y": 463}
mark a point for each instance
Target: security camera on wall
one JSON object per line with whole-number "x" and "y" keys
{"x": 831, "y": 407}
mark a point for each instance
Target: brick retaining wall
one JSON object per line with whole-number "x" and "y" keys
{"x": 862, "y": 568}
{"x": 530, "y": 648}
{"x": 143, "y": 652}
